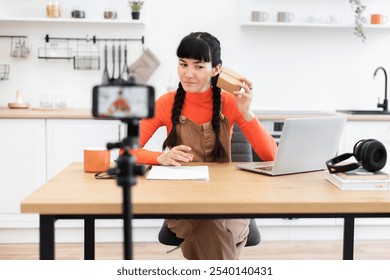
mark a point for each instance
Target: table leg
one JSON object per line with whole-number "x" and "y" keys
{"x": 89, "y": 238}
{"x": 349, "y": 230}
{"x": 46, "y": 237}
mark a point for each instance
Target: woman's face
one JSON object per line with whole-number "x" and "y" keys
{"x": 195, "y": 75}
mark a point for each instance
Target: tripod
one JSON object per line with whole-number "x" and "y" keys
{"x": 126, "y": 171}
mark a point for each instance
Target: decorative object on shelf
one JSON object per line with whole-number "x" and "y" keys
{"x": 358, "y": 8}
{"x": 53, "y": 9}
{"x": 135, "y": 8}
{"x": 18, "y": 104}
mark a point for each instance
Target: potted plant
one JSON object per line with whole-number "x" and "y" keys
{"x": 135, "y": 8}
{"x": 358, "y": 9}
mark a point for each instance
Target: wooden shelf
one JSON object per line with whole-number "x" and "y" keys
{"x": 308, "y": 25}
{"x": 74, "y": 20}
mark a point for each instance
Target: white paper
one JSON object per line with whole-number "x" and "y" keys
{"x": 178, "y": 173}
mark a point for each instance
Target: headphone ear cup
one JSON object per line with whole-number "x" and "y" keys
{"x": 372, "y": 155}
{"x": 358, "y": 148}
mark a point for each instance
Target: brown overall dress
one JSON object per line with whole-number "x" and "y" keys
{"x": 208, "y": 239}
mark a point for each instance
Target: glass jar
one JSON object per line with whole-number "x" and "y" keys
{"x": 53, "y": 9}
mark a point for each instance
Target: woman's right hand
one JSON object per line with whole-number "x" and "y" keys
{"x": 176, "y": 155}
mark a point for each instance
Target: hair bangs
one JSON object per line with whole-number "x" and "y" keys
{"x": 194, "y": 48}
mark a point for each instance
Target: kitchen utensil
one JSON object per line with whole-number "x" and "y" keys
{"x": 124, "y": 71}
{"x": 112, "y": 79}
{"x": 106, "y": 76}
{"x": 119, "y": 80}
{"x": 4, "y": 71}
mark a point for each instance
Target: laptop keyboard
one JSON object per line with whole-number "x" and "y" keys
{"x": 266, "y": 168}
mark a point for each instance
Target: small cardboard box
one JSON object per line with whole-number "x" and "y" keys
{"x": 228, "y": 80}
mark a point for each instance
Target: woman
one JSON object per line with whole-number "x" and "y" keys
{"x": 199, "y": 119}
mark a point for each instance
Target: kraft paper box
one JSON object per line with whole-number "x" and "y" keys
{"x": 228, "y": 80}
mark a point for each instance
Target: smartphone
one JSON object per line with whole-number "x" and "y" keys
{"x": 123, "y": 102}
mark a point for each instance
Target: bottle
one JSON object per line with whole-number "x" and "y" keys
{"x": 53, "y": 9}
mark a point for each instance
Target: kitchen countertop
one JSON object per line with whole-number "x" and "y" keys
{"x": 282, "y": 115}
{"x": 38, "y": 113}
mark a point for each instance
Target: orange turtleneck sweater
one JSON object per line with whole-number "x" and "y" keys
{"x": 198, "y": 108}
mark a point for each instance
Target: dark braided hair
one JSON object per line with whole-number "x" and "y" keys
{"x": 204, "y": 47}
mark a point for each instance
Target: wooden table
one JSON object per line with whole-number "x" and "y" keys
{"x": 230, "y": 193}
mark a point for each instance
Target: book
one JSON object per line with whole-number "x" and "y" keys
{"x": 362, "y": 174}
{"x": 358, "y": 184}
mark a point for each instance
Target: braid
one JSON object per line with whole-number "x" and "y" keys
{"x": 218, "y": 154}
{"x": 171, "y": 139}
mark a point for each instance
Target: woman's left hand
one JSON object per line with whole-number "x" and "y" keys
{"x": 244, "y": 98}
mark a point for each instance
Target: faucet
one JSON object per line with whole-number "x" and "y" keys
{"x": 383, "y": 105}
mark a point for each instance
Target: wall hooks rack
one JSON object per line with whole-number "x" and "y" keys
{"x": 94, "y": 39}
{"x": 13, "y": 36}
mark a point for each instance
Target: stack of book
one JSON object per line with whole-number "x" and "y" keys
{"x": 360, "y": 179}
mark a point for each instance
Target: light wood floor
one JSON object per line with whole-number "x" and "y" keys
{"x": 268, "y": 250}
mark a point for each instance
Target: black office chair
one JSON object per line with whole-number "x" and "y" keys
{"x": 241, "y": 152}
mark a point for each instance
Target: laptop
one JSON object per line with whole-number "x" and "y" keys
{"x": 305, "y": 145}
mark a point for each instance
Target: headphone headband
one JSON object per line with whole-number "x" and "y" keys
{"x": 342, "y": 168}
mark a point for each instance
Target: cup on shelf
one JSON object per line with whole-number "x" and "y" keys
{"x": 78, "y": 13}
{"x": 285, "y": 17}
{"x": 334, "y": 19}
{"x": 378, "y": 19}
{"x": 314, "y": 19}
{"x": 110, "y": 14}
{"x": 259, "y": 16}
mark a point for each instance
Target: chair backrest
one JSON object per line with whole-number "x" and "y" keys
{"x": 241, "y": 149}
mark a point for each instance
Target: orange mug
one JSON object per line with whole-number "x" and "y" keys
{"x": 378, "y": 19}
{"x": 96, "y": 159}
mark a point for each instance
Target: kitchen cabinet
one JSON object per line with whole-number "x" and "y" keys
{"x": 22, "y": 160}
{"x": 33, "y": 151}
{"x": 66, "y": 140}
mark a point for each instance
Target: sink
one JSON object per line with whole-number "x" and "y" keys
{"x": 365, "y": 112}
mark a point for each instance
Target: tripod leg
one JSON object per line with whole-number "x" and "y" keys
{"x": 127, "y": 216}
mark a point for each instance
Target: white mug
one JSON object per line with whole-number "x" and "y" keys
{"x": 259, "y": 16}
{"x": 285, "y": 17}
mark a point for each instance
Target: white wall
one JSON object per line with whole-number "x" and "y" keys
{"x": 292, "y": 68}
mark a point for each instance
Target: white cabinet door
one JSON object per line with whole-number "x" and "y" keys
{"x": 22, "y": 160}
{"x": 357, "y": 130}
{"x": 66, "y": 140}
